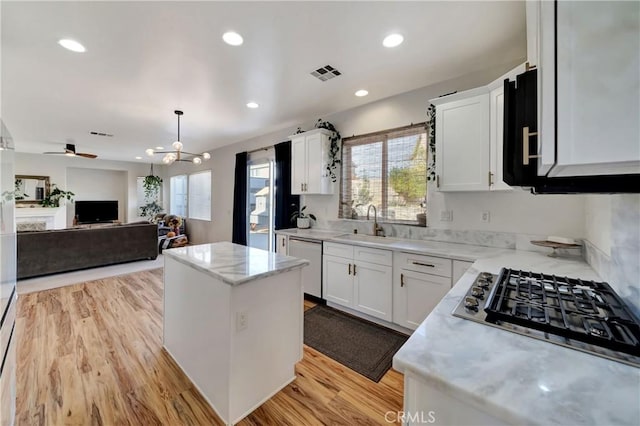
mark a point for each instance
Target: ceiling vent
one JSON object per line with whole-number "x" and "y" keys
{"x": 101, "y": 134}
{"x": 326, "y": 73}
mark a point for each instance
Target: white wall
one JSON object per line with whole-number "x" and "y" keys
{"x": 99, "y": 185}
{"x": 81, "y": 174}
{"x": 598, "y": 221}
{"x": 516, "y": 211}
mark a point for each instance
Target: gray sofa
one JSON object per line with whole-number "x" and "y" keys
{"x": 51, "y": 252}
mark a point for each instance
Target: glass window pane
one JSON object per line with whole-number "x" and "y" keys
{"x": 407, "y": 177}
{"x": 178, "y": 195}
{"x": 200, "y": 195}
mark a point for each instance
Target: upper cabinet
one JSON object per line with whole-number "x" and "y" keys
{"x": 469, "y": 135}
{"x": 462, "y": 141}
{"x": 310, "y": 157}
{"x": 588, "y": 57}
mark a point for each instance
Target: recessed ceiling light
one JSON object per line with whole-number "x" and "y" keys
{"x": 138, "y": 158}
{"x": 72, "y": 45}
{"x": 234, "y": 39}
{"x": 159, "y": 147}
{"x": 361, "y": 93}
{"x": 252, "y": 105}
{"x": 392, "y": 40}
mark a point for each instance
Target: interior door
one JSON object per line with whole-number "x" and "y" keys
{"x": 260, "y": 203}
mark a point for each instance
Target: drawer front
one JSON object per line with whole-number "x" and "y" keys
{"x": 371, "y": 255}
{"x": 340, "y": 250}
{"x": 427, "y": 264}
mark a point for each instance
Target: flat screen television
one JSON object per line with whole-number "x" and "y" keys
{"x": 96, "y": 211}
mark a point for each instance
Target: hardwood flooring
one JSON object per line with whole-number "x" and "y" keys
{"x": 91, "y": 354}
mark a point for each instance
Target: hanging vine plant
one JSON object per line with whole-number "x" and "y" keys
{"x": 151, "y": 184}
{"x": 431, "y": 140}
{"x": 334, "y": 148}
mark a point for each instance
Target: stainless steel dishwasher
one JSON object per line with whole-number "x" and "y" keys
{"x": 310, "y": 249}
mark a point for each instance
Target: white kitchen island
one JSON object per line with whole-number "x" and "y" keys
{"x": 233, "y": 321}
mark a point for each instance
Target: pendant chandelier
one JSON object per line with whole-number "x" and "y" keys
{"x": 178, "y": 154}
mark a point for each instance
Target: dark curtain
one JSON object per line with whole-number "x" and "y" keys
{"x": 284, "y": 199}
{"x": 240, "y": 200}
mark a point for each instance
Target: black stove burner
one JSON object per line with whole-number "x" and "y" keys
{"x": 586, "y": 311}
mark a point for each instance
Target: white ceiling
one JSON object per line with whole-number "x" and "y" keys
{"x": 146, "y": 59}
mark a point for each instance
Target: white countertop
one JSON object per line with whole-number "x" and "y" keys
{"x": 232, "y": 263}
{"x": 517, "y": 378}
{"x": 314, "y": 234}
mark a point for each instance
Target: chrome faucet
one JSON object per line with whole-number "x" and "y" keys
{"x": 377, "y": 229}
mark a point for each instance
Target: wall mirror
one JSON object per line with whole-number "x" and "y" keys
{"x": 31, "y": 189}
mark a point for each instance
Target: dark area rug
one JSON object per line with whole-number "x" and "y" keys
{"x": 363, "y": 346}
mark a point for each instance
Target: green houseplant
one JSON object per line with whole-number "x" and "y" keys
{"x": 151, "y": 185}
{"x": 334, "y": 148}
{"x": 55, "y": 195}
{"x": 301, "y": 218}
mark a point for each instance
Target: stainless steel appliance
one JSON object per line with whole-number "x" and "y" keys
{"x": 310, "y": 249}
{"x": 584, "y": 315}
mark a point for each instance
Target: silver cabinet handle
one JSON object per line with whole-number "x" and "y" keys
{"x": 424, "y": 264}
{"x": 525, "y": 145}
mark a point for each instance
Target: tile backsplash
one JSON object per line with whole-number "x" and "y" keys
{"x": 622, "y": 268}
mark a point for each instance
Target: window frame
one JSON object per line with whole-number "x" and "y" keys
{"x": 383, "y": 136}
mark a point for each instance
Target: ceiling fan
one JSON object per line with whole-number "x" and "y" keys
{"x": 70, "y": 150}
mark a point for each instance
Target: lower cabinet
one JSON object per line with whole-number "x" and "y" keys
{"x": 420, "y": 282}
{"x": 350, "y": 281}
{"x": 415, "y": 295}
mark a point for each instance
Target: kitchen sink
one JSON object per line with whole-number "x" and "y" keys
{"x": 369, "y": 239}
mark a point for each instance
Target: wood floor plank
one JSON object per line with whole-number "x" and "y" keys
{"x": 91, "y": 354}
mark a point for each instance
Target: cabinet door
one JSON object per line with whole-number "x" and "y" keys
{"x": 462, "y": 144}
{"x": 372, "y": 290}
{"x": 281, "y": 244}
{"x": 496, "y": 131}
{"x": 598, "y": 88}
{"x": 298, "y": 165}
{"x": 315, "y": 164}
{"x": 415, "y": 294}
{"x": 459, "y": 268}
{"x": 337, "y": 281}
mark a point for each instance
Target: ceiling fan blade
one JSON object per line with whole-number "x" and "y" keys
{"x": 57, "y": 152}
{"x": 84, "y": 154}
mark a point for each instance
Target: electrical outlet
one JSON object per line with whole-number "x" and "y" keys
{"x": 446, "y": 215}
{"x": 486, "y": 217}
{"x": 242, "y": 320}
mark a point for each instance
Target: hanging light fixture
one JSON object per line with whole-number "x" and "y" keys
{"x": 178, "y": 154}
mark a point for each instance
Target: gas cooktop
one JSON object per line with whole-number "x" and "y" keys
{"x": 584, "y": 315}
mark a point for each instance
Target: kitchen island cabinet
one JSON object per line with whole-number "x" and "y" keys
{"x": 233, "y": 321}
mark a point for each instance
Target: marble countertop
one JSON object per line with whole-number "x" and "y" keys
{"x": 232, "y": 263}
{"x": 313, "y": 234}
{"x": 517, "y": 378}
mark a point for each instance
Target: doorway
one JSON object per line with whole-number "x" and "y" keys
{"x": 260, "y": 203}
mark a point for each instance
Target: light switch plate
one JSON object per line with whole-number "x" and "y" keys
{"x": 486, "y": 217}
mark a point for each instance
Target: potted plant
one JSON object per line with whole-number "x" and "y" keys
{"x": 302, "y": 219}
{"x": 55, "y": 195}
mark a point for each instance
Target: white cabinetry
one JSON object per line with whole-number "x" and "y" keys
{"x": 589, "y": 100}
{"x": 309, "y": 157}
{"x": 420, "y": 282}
{"x": 462, "y": 141}
{"x": 359, "y": 278}
{"x": 282, "y": 244}
{"x": 458, "y": 270}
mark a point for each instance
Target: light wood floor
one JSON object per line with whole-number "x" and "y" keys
{"x": 91, "y": 354}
